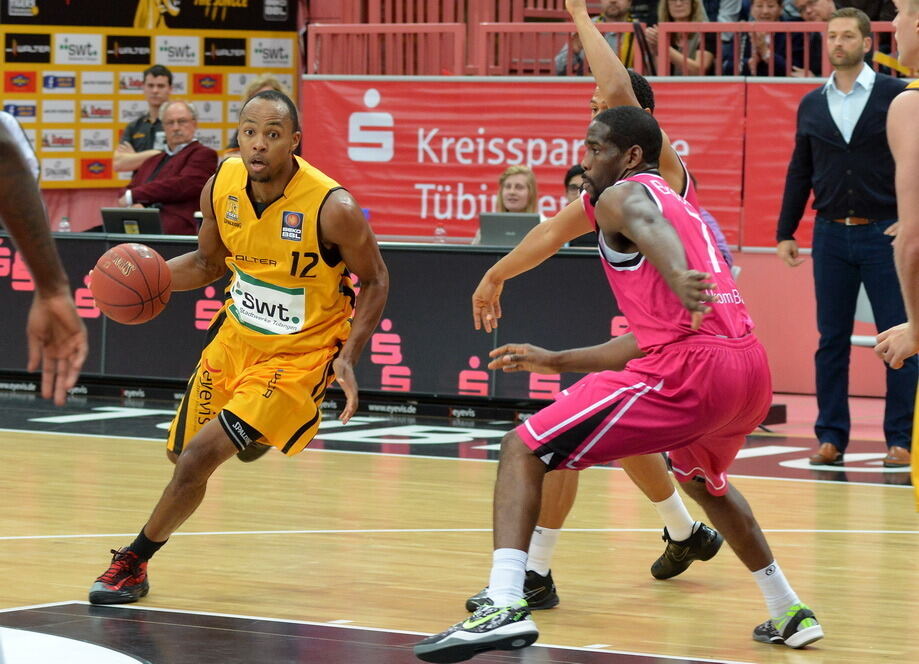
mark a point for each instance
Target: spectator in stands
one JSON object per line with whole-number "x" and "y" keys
{"x": 622, "y": 43}
{"x": 814, "y": 11}
{"x": 517, "y": 190}
{"x": 18, "y": 135}
{"x": 841, "y": 152}
{"x": 172, "y": 181}
{"x": 690, "y": 54}
{"x": 645, "y": 11}
{"x": 574, "y": 178}
{"x": 757, "y": 49}
{"x": 144, "y": 138}
{"x": 516, "y": 193}
{"x": 258, "y": 84}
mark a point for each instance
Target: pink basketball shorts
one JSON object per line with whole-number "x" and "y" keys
{"x": 696, "y": 400}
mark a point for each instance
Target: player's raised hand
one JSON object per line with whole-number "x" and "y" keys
{"x": 575, "y": 6}
{"x": 694, "y": 290}
{"x": 523, "y": 357}
{"x": 897, "y": 344}
{"x": 486, "y": 304}
{"x": 344, "y": 376}
{"x": 57, "y": 342}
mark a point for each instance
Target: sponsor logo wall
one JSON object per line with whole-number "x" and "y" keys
{"x": 74, "y": 88}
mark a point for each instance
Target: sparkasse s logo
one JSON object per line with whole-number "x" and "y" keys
{"x": 77, "y": 49}
{"x": 370, "y": 134}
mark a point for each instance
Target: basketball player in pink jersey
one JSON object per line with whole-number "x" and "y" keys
{"x": 696, "y": 383}
{"x": 687, "y": 540}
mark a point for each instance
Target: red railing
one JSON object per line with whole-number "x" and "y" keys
{"x": 504, "y": 49}
{"x": 412, "y": 49}
{"x": 517, "y": 48}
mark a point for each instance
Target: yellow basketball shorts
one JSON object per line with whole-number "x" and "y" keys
{"x": 258, "y": 396}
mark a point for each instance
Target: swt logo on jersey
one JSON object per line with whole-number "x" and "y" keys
{"x": 291, "y": 225}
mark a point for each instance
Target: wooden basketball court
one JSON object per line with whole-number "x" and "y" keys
{"x": 348, "y": 554}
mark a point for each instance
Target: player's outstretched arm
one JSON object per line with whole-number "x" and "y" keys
{"x": 539, "y": 244}
{"x": 56, "y": 335}
{"x": 207, "y": 263}
{"x": 342, "y": 223}
{"x": 626, "y": 209}
{"x": 608, "y": 71}
{"x": 610, "y": 356}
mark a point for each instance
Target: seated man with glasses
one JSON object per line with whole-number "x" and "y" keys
{"x": 172, "y": 181}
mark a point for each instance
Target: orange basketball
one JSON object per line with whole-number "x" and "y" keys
{"x": 131, "y": 283}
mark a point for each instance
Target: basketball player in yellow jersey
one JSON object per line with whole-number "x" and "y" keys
{"x": 290, "y": 236}
{"x": 902, "y": 341}
{"x": 149, "y": 14}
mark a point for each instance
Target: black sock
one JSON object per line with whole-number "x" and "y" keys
{"x": 144, "y": 547}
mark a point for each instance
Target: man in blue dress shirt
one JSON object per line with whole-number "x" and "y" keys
{"x": 841, "y": 152}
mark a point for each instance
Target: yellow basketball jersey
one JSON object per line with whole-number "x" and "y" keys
{"x": 914, "y": 85}
{"x": 287, "y": 293}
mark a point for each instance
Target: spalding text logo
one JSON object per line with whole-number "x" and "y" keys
{"x": 370, "y": 135}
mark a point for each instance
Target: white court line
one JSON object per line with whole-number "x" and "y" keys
{"x": 125, "y": 607}
{"x": 313, "y": 450}
{"x": 401, "y": 531}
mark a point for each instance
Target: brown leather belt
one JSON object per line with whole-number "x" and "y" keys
{"x": 854, "y": 221}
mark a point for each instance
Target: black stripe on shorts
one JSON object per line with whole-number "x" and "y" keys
{"x": 299, "y": 432}
{"x": 241, "y": 433}
{"x": 565, "y": 444}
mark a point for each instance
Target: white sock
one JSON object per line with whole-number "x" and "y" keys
{"x": 542, "y": 546}
{"x": 673, "y": 513}
{"x": 778, "y": 594}
{"x": 508, "y": 569}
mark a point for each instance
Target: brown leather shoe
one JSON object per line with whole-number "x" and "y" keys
{"x": 827, "y": 455}
{"x": 897, "y": 457}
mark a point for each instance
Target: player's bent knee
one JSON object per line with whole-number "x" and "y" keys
{"x": 698, "y": 491}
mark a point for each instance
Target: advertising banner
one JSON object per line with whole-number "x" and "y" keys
{"x": 78, "y": 87}
{"x": 772, "y": 110}
{"x": 424, "y": 153}
{"x": 155, "y": 14}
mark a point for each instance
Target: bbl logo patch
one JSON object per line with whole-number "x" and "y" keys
{"x": 232, "y": 214}
{"x": 291, "y": 225}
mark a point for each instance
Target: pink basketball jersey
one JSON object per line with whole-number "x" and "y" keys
{"x": 655, "y": 314}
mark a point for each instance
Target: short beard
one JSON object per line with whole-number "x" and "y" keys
{"x": 260, "y": 178}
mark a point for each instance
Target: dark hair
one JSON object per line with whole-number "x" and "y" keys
{"x": 574, "y": 171}
{"x": 630, "y": 126}
{"x": 642, "y": 89}
{"x": 864, "y": 23}
{"x": 274, "y": 95}
{"x": 157, "y": 70}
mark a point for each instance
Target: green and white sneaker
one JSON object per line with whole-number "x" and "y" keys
{"x": 489, "y": 628}
{"x": 796, "y": 628}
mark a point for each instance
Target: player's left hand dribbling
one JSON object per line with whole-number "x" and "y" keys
{"x": 344, "y": 376}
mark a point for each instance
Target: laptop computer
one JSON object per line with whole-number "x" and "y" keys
{"x": 506, "y": 229}
{"x": 134, "y": 221}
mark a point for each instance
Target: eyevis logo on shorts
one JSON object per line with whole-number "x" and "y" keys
{"x": 291, "y": 225}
